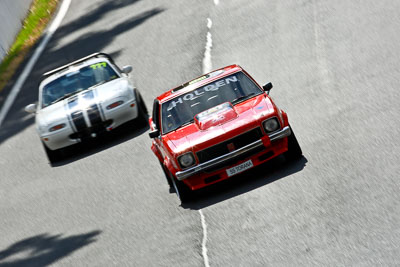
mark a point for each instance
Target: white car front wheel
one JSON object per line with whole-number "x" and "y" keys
{"x": 143, "y": 115}
{"x": 53, "y": 155}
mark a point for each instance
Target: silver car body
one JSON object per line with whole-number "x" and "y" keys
{"x": 85, "y": 113}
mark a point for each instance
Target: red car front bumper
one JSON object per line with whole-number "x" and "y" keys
{"x": 214, "y": 171}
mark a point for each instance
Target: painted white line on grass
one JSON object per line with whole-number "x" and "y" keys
{"x": 204, "y": 242}
{"x": 207, "y": 66}
{"x": 31, "y": 63}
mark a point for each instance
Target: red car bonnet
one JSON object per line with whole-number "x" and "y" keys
{"x": 219, "y": 123}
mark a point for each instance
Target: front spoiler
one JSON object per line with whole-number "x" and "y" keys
{"x": 181, "y": 175}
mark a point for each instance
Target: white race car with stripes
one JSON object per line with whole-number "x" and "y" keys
{"x": 83, "y": 98}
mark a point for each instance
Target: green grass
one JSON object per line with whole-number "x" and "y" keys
{"x": 39, "y": 15}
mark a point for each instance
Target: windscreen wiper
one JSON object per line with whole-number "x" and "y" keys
{"x": 240, "y": 98}
{"x": 62, "y": 98}
{"x": 184, "y": 124}
{"x": 97, "y": 84}
{"x": 68, "y": 95}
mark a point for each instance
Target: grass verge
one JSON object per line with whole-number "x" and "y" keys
{"x": 39, "y": 15}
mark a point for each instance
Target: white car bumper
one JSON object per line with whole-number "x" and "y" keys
{"x": 111, "y": 119}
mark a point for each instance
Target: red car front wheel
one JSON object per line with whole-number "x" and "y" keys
{"x": 182, "y": 191}
{"x": 294, "y": 149}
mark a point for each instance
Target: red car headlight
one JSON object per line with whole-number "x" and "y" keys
{"x": 186, "y": 160}
{"x": 271, "y": 125}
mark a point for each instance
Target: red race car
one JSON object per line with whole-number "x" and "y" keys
{"x": 216, "y": 126}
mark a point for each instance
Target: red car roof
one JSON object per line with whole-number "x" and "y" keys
{"x": 198, "y": 82}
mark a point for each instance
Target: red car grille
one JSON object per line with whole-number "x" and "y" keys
{"x": 229, "y": 145}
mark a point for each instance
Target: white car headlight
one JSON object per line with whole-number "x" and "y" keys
{"x": 271, "y": 125}
{"x": 115, "y": 104}
{"x": 186, "y": 160}
{"x": 57, "y": 127}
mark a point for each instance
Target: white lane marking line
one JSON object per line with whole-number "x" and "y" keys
{"x": 320, "y": 50}
{"x": 209, "y": 23}
{"x": 31, "y": 63}
{"x": 204, "y": 242}
{"x": 216, "y": 2}
{"x": 207, "y": 66}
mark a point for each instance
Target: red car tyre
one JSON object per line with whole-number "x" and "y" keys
{"x": 294, "y": 149}
{"x": 182, "y": 191}
{"x": 167, "y": 176}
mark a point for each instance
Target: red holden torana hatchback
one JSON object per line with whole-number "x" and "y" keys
{"x": 216, "y": 126}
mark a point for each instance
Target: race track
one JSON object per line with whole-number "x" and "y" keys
{"x": 335, "y": 66}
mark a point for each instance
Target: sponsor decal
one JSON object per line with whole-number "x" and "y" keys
{"x": 198, "y": 79}
{"x": 212, "y": 111}
{"x": 98, "y": 65}
{"x": 215, "y": 86}
{"x": 210, "y": 75}
{"x": 220, "y": 117}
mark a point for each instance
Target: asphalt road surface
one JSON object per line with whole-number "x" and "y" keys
{"x": 335, "y": 66}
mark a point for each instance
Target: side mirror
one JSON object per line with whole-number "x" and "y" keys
{"x": 267, "y": 87}
{"x": 155, "y": 133}
{"x": 126, "y": 69}
{"x": 31, "y": 108}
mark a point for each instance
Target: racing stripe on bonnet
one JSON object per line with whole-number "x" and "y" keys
{"x": 76, "y": 114}
{"x": 93, "y": 111}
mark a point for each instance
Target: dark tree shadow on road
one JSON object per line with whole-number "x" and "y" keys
{"x": 93, "y": 16}
{"x": 17, "y": 119}
{"x": 92, "y": 42}
{"x": 44, "y": 249}
{"x": 259, "y": 176}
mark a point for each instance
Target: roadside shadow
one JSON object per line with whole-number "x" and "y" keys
{"x": 44, "y": 249}
{"x": 105, "y": 141}
{"x": 259, "y": 176}
{"x": 93, "y": 16}
{"x": 56, "y": 55}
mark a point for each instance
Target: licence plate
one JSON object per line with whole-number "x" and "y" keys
{"x": 239, "y": 168}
